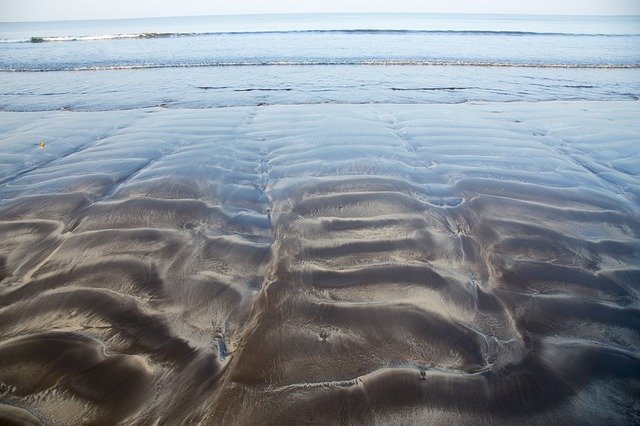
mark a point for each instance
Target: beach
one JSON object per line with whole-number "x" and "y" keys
{"x": 322, "y": 218}
{"x": 398, "y": 263}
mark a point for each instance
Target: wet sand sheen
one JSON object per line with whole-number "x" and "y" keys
{"x": 321, "y": 263}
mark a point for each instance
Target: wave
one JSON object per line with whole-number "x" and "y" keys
{"x": 149, "y": 35}
{"x": 326, "y": 62}
{"x": 96, "y": 37}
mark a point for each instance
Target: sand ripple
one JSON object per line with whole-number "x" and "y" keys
{"x": 323, "y": 264}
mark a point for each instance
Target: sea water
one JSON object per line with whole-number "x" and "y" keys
{"x": 203, "y": 62}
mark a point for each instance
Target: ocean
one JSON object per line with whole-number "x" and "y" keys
{"x": 219, "y": 61}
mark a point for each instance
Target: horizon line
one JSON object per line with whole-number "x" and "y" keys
{"x": 319, "y": 13}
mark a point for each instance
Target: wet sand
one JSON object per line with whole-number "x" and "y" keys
{"x": 323, "y": 264}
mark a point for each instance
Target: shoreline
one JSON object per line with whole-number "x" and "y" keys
{"x": 154, "y": 108}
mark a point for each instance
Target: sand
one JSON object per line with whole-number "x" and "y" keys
{"x": 429, "y": 264}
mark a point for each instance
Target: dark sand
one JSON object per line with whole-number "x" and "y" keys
{"x": 322, "y": 264}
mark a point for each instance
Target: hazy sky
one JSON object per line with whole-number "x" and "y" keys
{"x": 28, "y": 10}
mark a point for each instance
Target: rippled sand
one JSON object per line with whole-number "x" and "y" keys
{"x": 321, "y": 264}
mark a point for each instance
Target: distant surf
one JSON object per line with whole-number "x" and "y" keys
{"x": 146, "y": 35}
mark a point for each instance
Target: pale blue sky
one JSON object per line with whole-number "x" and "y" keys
{"x": 28, "y": 10}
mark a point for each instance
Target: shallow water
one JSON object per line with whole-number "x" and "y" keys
{"x": 216, "y": 87}
{"x": 299, "y": 59}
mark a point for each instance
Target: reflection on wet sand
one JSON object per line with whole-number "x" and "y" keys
{"x": 323, "y": 264}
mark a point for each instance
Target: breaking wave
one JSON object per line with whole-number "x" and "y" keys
{"x": 148, "y": 35}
